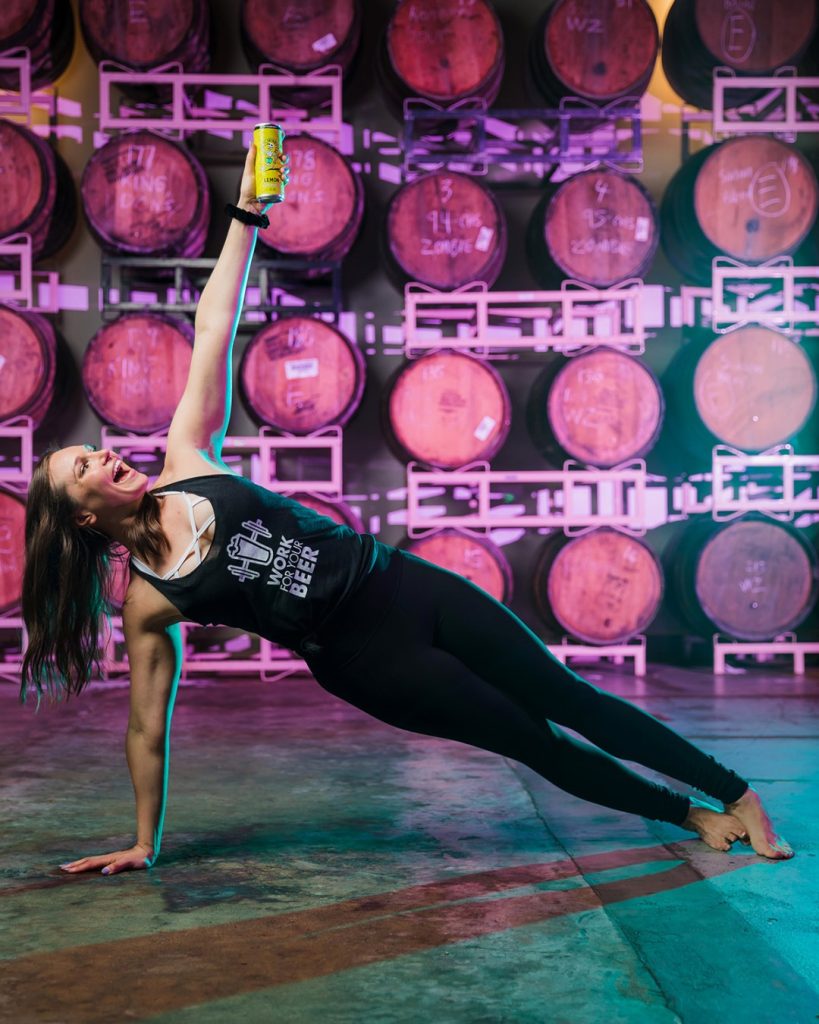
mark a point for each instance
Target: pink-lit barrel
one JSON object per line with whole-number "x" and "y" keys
{"x": 145, "y": 34}
{"x": 46, "y": 29}
{"x": 603, "y": 587}
{"x": 748, "y": 38}
{"x": 135, "y": 370}
{"x": 12, "y": 547}
{"x": 749, "y": 198}
{"x": 598, "y": 227}
{"x": 37, "y": 194}
{"x": 339, "y": 511}
{"x": 322, "y": 215}
{"x": 28, "y": 361}
{"x": 752, "y": 579}
{"x": 300, "y": 374}
{"x": 476, "y": 558}
{"x": 146, "y": 195}
{"x": 300, "y": 37}
{"x": 600, "y": 50}
{"x": 445, "y": 230}
{"x": 442, "y": 52}
{"x": 602, "y": 408}
{"x": 448, "y": 409}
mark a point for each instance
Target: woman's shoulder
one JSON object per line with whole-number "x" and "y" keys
{"x": 145, "y": 607}
{"x": 187, "y": 464}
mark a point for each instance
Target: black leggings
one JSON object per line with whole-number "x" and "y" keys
{"x": 425, "y": 650}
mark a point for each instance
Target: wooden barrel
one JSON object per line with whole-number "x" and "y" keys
{"x": 339, "y": 511}
{"x": 146, "y": 195}
{"x": 135, "y": 370}
{"x": 12, "y": 548}
{"x": 448, "y": 409}
{"x": 38, "y": 195}
{"x": 596, "y": 49}
{"x": 445, "y": 230}
{"x": 752, "y": 388}
{"x": 442, "y": 52}
{"x": 475, "y": 558}
{"x": 752, "y": 579}
{"x": 299, "y": 375}
{"x": 749, "y": 38}
{"x": 146, "y": 34}
{"x": 603, "y": 587}
{"x": 46, "y": 29}
{"x": 28, "y": 360}
{"x": 300, "y": 37}
{"x": 749, "y": 198}
{"x": 602, "y": 408}
{"x": 325, "y": 203}
{"x": 598, "y": 227}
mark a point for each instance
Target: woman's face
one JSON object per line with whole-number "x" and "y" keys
{"x": 98, "y": 481}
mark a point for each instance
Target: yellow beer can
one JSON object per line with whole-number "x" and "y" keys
{"x": 270, "y": 171}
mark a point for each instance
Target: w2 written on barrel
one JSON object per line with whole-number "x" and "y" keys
{"x": 600, "y": 50}
{"x": 602, "y": 408}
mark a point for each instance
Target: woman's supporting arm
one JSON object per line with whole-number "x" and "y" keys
{"x": 201, "y": 418}
{"x": 155, "y": 657}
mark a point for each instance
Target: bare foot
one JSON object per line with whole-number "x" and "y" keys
{"x": 714, "y": 827}
{"x": 763, "y": 836}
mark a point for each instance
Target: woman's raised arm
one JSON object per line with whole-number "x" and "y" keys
{"x": 201, "y": 418}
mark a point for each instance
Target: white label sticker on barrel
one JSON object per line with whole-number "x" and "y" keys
{"x": 484, "y": 239}
{"x": 485, "y": 428}
{"x": 296, "y": 369}
{"x": 325, "y": 43}
{"x": 641, "y": 229}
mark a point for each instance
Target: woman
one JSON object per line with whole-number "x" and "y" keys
{"x": 411, "y": 644}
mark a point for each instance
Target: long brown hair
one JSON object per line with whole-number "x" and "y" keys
{"x": 67, "y": 585}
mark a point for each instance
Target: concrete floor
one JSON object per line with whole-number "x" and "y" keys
{"x": 321, "y": 866}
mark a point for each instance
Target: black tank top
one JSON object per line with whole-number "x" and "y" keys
{"x": 274, "y": 567}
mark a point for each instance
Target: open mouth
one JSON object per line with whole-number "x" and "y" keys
{"x": 120, "y": 471}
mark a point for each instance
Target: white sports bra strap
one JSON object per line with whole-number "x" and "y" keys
{"x": 193, "y": 546}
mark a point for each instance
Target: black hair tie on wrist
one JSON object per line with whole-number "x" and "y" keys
{"x": 258, "y": 220}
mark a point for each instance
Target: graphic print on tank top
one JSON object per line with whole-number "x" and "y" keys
{"x": 274, "y": 567}
{"x": 292, "y": 563}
